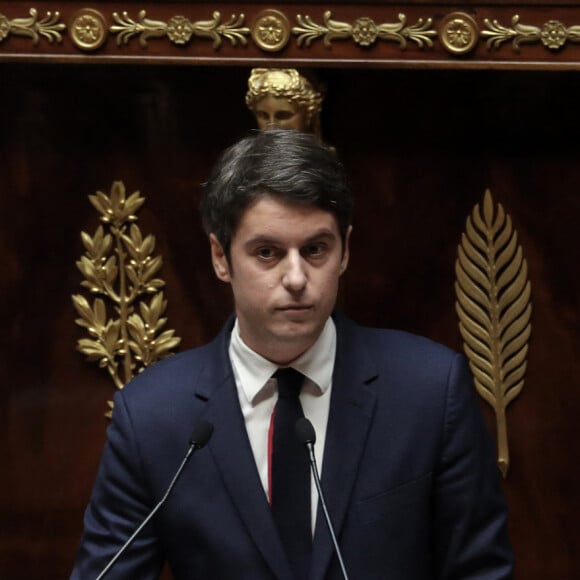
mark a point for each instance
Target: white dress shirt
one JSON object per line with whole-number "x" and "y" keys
{"x": 258, "y": 394}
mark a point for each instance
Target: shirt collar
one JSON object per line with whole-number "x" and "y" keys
{"x": 253, "y": 371}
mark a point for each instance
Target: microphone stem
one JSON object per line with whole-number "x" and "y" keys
{"x": 106, "y": 569}
{"x": 314, "y": 467}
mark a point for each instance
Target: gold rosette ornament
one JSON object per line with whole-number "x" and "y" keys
{"x": 494, "y": 309}
{"x": 125, "y": 319}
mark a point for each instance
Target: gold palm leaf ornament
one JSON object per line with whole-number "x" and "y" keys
{"x": 493, "y": 304}
{"x": 125, "y": 319}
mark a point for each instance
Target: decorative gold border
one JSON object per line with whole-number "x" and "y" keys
{"x": 88, "y": 29}
{"x": 364, "y": 31}
{"x": 271, "y": 30}
{"x": 48, "y": 27}
{"x": 179, "y": 29}
{"x": 458, "y": 32}
{"x": 553, "y": 34}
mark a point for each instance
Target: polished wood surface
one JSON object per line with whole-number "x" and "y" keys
{"x": 420, "y": 145}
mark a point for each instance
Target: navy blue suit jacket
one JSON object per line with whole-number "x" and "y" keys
{"x": 409, "y": 474}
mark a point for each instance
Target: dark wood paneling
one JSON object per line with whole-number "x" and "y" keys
{"x": 421, "y": 147}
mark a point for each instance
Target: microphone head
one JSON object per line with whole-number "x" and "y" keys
{"x": 201, "y": 434}
{"x": 305, "y": 431}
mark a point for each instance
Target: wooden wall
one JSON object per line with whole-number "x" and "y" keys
{"x": 421, "y": 146}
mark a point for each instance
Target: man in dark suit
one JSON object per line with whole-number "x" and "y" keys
{"x": 407, "y": 467}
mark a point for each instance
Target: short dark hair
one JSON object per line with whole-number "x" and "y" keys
{"x": 285, "y": 163}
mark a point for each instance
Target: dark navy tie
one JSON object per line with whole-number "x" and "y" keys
{"x": 291, "y": 475}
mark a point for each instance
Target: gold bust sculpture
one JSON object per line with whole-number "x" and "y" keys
{"x": 283, "y": 98}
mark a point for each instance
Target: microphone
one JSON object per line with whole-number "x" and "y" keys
{"x": 199, "y": 438}
{"x": 306, "y": 434}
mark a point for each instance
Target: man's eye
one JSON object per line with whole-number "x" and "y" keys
{"x": 266, "y": 253}
{"x": 315, "y": 249}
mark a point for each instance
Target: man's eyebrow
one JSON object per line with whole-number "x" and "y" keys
{"x": 323, "y": 233}
{"x": 261, "y": 239}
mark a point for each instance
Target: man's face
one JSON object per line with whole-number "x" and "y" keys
{"x": 284, "y": 268}
{"x": 279, "y": 113}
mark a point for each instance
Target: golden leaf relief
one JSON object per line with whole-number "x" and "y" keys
{"x": 179, "y": 29}
{"x": 364, "y": 31}
{"x": 494, "y": 309}
{"x": 125, "y": 320}
{"x": 552, "y": 34}
{"x": 49, "y": 27}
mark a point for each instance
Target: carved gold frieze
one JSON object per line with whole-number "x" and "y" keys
{"x": 88, "y": 29}
{"x": 553, "y": 34}
{"x": 494, "y": 310}
{"x": 364, "y": 31}
{"x": 271, "y": 30}
{"x": 49, "y": 27}
{"x": 125, "y": 319}
{"x": 459, "y": 33}
{"x": 179, "y": 29}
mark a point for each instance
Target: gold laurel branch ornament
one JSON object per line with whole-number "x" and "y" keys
{"x": 179, "y": 29}
{"x": 48, "y": 27}
{"x": 125, "y": 320}
{"x": 364, "y": 31}
{"x": 553, "y": 34}
{"x": 494, "y": 309}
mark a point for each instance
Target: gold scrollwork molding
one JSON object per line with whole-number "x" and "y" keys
{"x": 553, "y": 34}
{"x": 125, "y": 319}
{"x": 179, "y": 29}
{"x": 271, "y": 30}
{"x": 494, "y": 309}
{"x": 364, "y": 31}
{"x": 34, "y": 27}
{"x": 457, "y": 32}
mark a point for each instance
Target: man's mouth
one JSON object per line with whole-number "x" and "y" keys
{"x": 295, "y": 307}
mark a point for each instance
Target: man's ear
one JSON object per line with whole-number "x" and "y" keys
{"x": 219, "y": 259}
{"x": 346, "y": 251}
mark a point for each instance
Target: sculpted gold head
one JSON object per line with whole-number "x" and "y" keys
{"x": 285, "y": 99}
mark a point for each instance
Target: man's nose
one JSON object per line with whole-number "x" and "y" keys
{"x": 295, "y": 276}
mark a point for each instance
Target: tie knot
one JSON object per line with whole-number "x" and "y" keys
{"x": 289, "y": 382}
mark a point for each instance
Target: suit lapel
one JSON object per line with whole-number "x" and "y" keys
{"x": 233, "y": 455}
{"x": 351, "y": 409}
